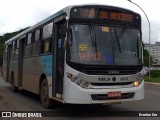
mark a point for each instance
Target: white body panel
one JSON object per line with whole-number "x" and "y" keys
{"x": 74, "y": 94}
{"x": 77, "y": 95}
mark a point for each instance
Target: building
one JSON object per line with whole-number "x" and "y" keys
{"x": 154, "y": 52}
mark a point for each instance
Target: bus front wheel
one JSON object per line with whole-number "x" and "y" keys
{"x": 44, "y": 94}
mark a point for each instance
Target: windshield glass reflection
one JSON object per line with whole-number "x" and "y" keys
{"x": 93, "y": 44}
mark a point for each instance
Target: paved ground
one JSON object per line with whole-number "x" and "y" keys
{"x": 21, "y": 101}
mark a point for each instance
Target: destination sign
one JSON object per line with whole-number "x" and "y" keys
{"x": 115, "y": 16}
{"x": 99, "y": 13}
{"x": 88, "y": 13}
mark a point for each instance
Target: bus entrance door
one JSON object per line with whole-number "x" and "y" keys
{"x": 61, "y": 32}
{"x": 9, "y": 49}
{"x": 20, "y": 61}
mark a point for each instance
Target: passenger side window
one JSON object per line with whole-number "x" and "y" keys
{"x": 28, "y": 47}
{"x": 13, "y": 50}
{"x": 5, "y": 56}
{"x": 46, "y": 46}
{"x": 46, "y": 42}
{"x": 17, "y": 49}
{"x": 47, "y": 30}
{"x": 36, "y": 42}
{"x": 29, "y": 39}
{"x": 6, "y": 48}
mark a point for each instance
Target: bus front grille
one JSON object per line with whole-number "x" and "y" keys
{"x": 111, "y": 84}
{"x": 112, "y": 70}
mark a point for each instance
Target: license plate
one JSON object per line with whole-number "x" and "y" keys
{"x": 114, "y": 94}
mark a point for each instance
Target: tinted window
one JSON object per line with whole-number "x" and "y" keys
{"x": 18, "y": 43}
{"x": 37, "y": 35}
{"x": 29, "y": 39}
{"x": 47, "y": 30}
{"x": 6, "y": 47}
{"x": 46, "y": 46}
{"x": 36, "y": 42}
{"x": 13, "y": 45}
{"x": 109, "y": 45}
{"x": 28, "y": 50}
{"x": 28, "y": 47}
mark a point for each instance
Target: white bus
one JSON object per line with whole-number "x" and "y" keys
{"x": 83, "y": 54}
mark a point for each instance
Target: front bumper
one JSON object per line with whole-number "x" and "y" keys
{"x": 76, "y": 95}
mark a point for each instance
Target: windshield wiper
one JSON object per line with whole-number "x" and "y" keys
{"x": 122, "y": 31}
{"x": 93, "y": 35}
{"x": 117, "y": 40}
{"x": 118, "y": 37}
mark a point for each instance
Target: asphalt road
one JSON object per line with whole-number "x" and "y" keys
{"x": 26, "y": 101}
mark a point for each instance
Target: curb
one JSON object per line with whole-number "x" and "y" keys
{"x": 152, "y": 83}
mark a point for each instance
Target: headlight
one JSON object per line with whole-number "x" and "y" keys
{"x": 80, "y": 82}
{"x": 85, "y": 84}
{"x": 74, "y": 78}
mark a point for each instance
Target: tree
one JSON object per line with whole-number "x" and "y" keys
{"x": 146, "y": 57}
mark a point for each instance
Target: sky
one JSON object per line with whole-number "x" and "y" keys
{"x": 18, "y": 14}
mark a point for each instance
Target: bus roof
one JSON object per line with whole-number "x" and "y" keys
{"x": 64, "y": 10}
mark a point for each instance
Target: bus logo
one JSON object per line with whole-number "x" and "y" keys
{"x": 113, "y": 72}
{"x": 103, "y": 79}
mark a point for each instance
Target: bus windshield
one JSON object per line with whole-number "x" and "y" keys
{"x": 104, "y": 45}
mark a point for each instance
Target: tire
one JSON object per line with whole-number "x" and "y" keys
{"x": 44, "y": 90}
{"x": 13, "y": 87}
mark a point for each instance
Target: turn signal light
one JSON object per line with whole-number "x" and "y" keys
{"x": 136, "y": 84}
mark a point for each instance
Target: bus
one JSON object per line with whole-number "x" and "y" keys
{"x": 82, "y": 54}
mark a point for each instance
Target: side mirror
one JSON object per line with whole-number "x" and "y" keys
{"x": 65, "y": 42}
{"x": 69, "y": 37}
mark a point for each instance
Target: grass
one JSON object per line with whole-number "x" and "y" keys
{"x": 146, "y": 78}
